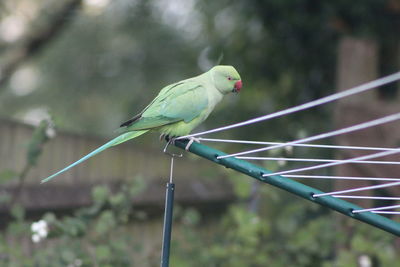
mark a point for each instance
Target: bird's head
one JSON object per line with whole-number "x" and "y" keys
{"x": 226, "y": 79}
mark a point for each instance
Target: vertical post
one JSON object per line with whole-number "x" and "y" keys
{"x": 169, "y": 204}
{"x": 357, "y": 64}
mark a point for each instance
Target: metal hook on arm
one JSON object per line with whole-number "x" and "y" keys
{"x": 169, "y": 153}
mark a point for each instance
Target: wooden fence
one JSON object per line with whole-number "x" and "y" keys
{"x": 123, "y": 162}
{"x": 358, "y": 61}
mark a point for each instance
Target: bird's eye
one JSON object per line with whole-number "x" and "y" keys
{"x": 229, "y": 78}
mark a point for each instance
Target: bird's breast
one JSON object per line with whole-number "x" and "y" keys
{"x": 214, "y": 97}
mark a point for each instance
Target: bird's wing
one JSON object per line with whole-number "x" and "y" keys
{"x": 161, "y": 94}
{"x": 182, "y": 101}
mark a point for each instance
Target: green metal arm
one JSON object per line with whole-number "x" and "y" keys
{"x": 292, "y": 186}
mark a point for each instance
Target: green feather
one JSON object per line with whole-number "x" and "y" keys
{"x": 182, "y": 102}
{"x": 177, "y": 109}
{"x": 116, "y": 141}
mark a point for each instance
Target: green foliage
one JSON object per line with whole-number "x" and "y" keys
{"x": 109, "y": 62}
{"x": 38, "y": 139}
{"x": 81, "y": 239}
{"x": 285, "y": 232}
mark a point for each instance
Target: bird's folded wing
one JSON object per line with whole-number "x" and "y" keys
{"x": 182, "y": 102}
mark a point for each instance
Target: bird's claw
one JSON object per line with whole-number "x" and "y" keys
{"x": 170, "y": 140}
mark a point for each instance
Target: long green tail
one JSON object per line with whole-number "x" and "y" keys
{"x": 116, "y": 141}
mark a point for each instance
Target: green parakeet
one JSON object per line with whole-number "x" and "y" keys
{"x": 177, "y": 109}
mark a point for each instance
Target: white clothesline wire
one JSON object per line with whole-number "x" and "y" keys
{"x": 367, "y": 197}
{"x": 320, "y": 101}
{"x": 357, "y": 189}
{"x": 317, "y": 102}
{"x": 340, "y": 177}
{"x": 299, "y": 145}
{"x": 353, "y": 128}
{"x": 320, "y": 160}
{"x": 386, "y": 212}
{"x": 377, "y": 208}
{"x": 340, "y": 162}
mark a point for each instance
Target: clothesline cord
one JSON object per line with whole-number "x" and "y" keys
{"x": 357, "y": 127}
{"x": 355, "y": 90}
{"x": 295, "y": 145}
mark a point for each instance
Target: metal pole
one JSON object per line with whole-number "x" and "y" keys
{"x": 169, "y": 204}
{"x": 292, "y": 186}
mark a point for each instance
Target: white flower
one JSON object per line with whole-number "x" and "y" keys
{"x": 39, "y": 230}
{"x": 35, "y": 238}
{"x": 364, "y": 261}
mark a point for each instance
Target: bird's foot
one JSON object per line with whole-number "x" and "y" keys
{"x": 170, "y": 140}
{"x": 191, "y": 140}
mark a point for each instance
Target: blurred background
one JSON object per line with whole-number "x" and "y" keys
{"x": 72, "y": 70}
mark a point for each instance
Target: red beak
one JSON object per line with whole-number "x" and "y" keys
{"x": 238, "y": 86}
